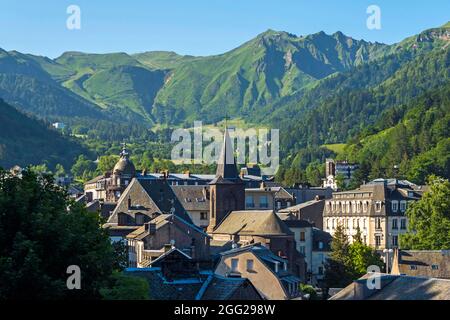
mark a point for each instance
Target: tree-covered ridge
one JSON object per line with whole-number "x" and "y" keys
{"x": 411, "y": 141}
{"x": 25, "y": 141}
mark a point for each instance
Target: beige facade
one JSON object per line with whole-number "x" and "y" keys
{"x": 377, "y": 209}
{"x": 266, "y": 271}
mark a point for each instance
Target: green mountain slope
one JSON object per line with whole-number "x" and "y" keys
{"x": 340, "y": 106}
{"x": 410, "y": 141}
{"x": 273, "y": 65}
{"x": 28, "y": 86}
{"x": 25, "y": 141}
{"x": 163, "y": 59}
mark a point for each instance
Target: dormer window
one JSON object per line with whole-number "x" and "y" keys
{"x": 378, "y": 206}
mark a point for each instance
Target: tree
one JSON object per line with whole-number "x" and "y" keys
{"x": 42, "y": 233}
{"x": 107, "y": 163}
{"x": 314, "y": 173}
{"x": 338, "y": 271}
{"x": 123, "y": 287}
{"x": 83, "y": 168}
{"x": 59, "y": 170}
{"x": 429, "y": 218}
{"x": 362, "y": 256}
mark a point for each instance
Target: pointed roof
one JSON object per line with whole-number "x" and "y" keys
{"x": 226, "y": 164}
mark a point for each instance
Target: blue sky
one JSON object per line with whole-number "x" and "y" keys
{"x": 200, "y": 27}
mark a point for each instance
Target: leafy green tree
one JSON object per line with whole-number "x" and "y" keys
{"x": 59, "y": 170}
{"x": 315, "y": 171}
{"x": 429, "y": 218}
{"x": 123, "y": 287}
{"x": 83, "y": 169}
{"x": 107, "y": 163}
{"x": 362, "y": 256}
{"x": 42, "y": 233}
{"x": 340, "y": 182}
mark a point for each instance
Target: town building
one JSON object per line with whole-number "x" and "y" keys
{"x": 311, "y": 211}
{"x": 422, "y": 263}
{"x": 335, "y": 168}
{"x": 395, "y": 287}
{"x": 314, "y": 244}
{"x": 268, "y": 272}
{"x": 377, "y": 209}
{"x": 304, "y": 193}
{"x": 175, "y": 276}
{"x": 247, "y": 227}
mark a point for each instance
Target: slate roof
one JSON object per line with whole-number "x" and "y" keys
{"x": 221, "y": 288}
{"x": 300, "y": 206}
{"x": 425, "y": 263}
{"x": 153, "y": 196}
{"x": 253, "y": 222}
{"x": 397, "y": 287}
{"x": 192, "y": 198}
{"x": 202, "y": 286}
{"x": 161, "y": 289}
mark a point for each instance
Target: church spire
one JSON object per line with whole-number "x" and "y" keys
{"x": 226, "y": 164}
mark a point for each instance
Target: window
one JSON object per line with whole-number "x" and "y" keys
{"x": 332, "y": 223}
{"x": 395, "y": 241}
{"x": 139, "y": 219}
{"x": 263, "y": 202}
{"x": 333, "y": 206}
{"x": 348, "y": 207}
{"x": 123, "y": 219}
{"x": 328, "y": 223}
{"x": 249, "y": 202}
{"x": 302, "y": 236}
{"x": 403, "y": 224}
{"x": 278, "y": 204}
{"x": 234, "y": 265}
{"x": 320, "y": 245}
{"x": 288, "y": 204}
{"x": 394, "y": 224}
{"x": 377, "y": 223}
{"x": 412, "y": 267}
{"x": 358, "y": 206}
{"x": 320, "y": 270}
{"x": 365, "y": 206}
{"x": 394, "y": 206}
{"x": 378, "y": 206}
{"x": 302, "y": 249}
{"x": 364, "y": 224}
{"x": 402, "y": 206}
{"x": 249, "y": 264}
{"x": 365, "y": 239}
{"x": 434, "y": 267}
{"x": 203, "y": 216}
{"x": 377, "y": 241}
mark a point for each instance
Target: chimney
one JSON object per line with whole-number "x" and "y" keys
{"x": 167, "y": 247}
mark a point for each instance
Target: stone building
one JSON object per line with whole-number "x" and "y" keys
{"x": 377, "y": 209}
{"x": 268, "y": 272}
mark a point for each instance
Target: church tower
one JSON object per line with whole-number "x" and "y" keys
{"x": 227, "y": 190}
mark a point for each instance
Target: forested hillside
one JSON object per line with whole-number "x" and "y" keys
{"x": 25, "y": 141}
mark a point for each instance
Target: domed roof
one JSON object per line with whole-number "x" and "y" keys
{"x": 124, "y": 166}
